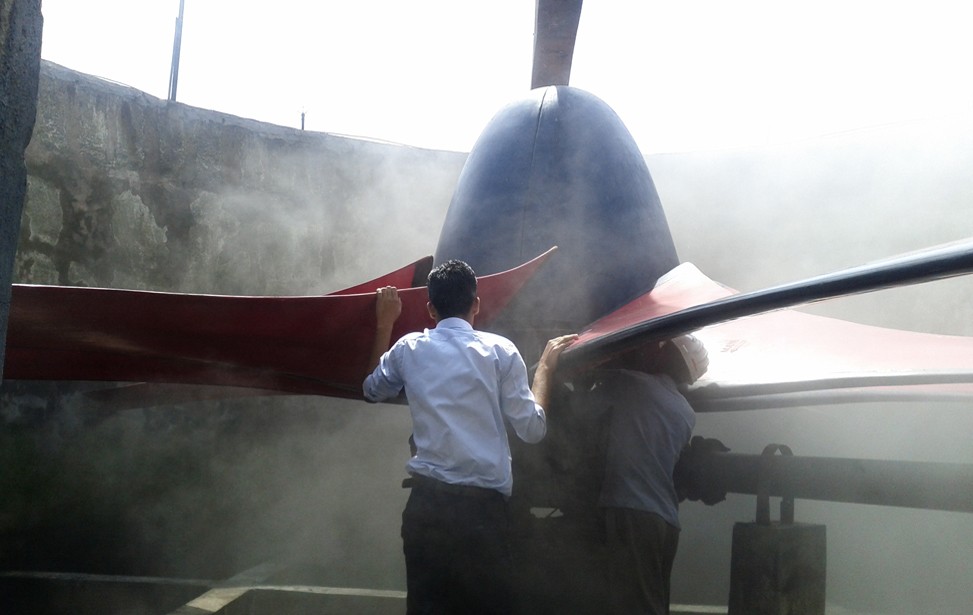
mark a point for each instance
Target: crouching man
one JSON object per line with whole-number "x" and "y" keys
{"x": 649, "y": 424}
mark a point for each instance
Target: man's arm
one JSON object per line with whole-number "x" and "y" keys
{"x": 388, "y": 306}
{"x": 544, "y": 375}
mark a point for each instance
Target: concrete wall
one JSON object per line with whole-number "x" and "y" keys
{"x": 129, "y": 191}
{"x": 20, "y": 52}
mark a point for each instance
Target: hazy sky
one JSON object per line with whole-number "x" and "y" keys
{"x": 682, "y": 75}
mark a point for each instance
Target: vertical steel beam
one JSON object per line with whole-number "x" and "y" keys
{"x": 176, "y": 46}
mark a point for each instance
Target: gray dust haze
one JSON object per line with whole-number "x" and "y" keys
{"x": 207, "y": 489}
{"x": 758, "y": 217}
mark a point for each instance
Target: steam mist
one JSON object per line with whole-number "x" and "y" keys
{"x": 217, "y": 205}
{"x": 208, "y": 489}
{"x": 759, "y": 217}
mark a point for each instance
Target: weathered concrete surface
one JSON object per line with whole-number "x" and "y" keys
{"x": 130, "y": 191}
{"x": 20, "y": 53}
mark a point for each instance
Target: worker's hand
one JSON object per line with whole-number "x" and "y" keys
{"x": 552, "y": 352}
{"x": 388, "y": 306}
{"x": 544, "y": 374}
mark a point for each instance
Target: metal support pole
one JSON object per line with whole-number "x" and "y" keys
{"x": 909, "y": 484}
{"x": 176, "y": 45}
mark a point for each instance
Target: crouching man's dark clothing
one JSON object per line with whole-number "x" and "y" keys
{"x": 641, "y": 550}
{"x": 650, "y": 423}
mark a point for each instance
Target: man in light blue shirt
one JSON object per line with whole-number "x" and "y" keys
{"x": 464, "y": 387}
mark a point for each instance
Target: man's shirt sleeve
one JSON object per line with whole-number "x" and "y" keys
{"x": 518, "y": 404}
{"x": 385, "y": 382}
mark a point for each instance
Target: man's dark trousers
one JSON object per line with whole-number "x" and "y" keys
{"x": 457, "y": 550}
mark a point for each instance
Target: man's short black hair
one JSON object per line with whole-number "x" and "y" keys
{"x": 452, "y": 288}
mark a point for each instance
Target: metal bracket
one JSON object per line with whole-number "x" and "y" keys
{"x": 763, "y": 489}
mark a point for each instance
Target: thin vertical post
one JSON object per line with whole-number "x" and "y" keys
{"x": 176, "y": 44}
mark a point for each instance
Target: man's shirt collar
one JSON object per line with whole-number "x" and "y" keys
{"x": 454, "y": 322}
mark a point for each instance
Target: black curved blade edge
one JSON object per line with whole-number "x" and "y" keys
{"x": 937, "y": 263}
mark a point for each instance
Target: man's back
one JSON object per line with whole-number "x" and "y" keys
{"x": 649, "y": 425}
{"x": 461, "y": 385}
